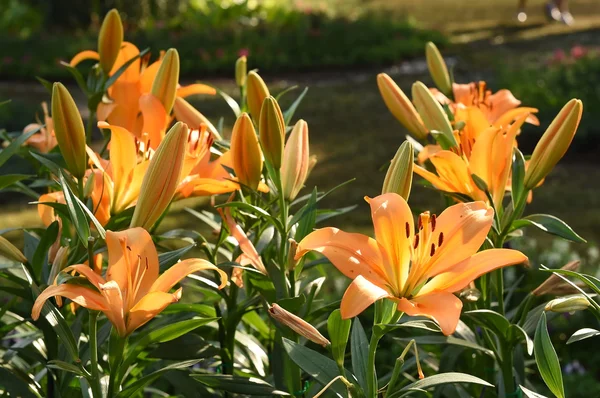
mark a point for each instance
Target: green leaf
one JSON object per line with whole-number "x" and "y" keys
{"x": 48, "y": 163}
{"x": 437, "y": 340}
{"x": 319, "y": 367}
{"x": 583, "y": 334}
{"x": 238, "y": 384}
{"x": 76, "y": 213}
{"x": 67, "y": 367}
{"x": 9, "y": 179}
{"x": 92, "y": 218}
{"x": 530, "y": 394}
{"x": 15, "y": 146}
{"x": 480, "y": 182}
{"x": 168, "y": 259}
{"x": 254, "y": 209}
{"x": 308, "y": 217}
{"x": 443, "y": 139}
{"x": 442, "y": 378}
{"x": 359, "y": 348}
{"x": 123, "y": 67}
{"x": 518, "y": 175}
{"x": 18, "y": 385}
{"x": 491, "y": 320}
{"x": 78, "y": 77}
{"x": 339, "y": 332}
{"x": 289, "y": 113}
{"x": 516, "y": 334}
{"x": 47, "y": 85}
{"x": 235, "y": 107}
{"x": 187, "y": 347}
{"x": 139, "y": 384}
{"x": 551, "y": 225}
{"x": 39, "y": 260}
{"x": 547, "y": 360}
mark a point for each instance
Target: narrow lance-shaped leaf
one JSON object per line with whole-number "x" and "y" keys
{"x": 547, "y": 360}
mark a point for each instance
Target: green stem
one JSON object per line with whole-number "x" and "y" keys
{"x": 90, "y": 126}
{"x": 500, "y": 290}
{"x": 115, "y": 365}
{"x": 371, "y": 371}
{"x": 507, "y": 369}
{"x": 93, "y": 341}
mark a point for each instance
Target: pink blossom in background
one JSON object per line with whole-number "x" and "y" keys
{"x": 578, "y": 51}
{"x": 243, "y": 52}
{"x": 559, "y": 56}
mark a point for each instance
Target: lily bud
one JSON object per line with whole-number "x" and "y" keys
{"x": 431, "y": 111}
{"x": 256, "y": 92}
{"x": 298, "y": 325}
{"x": 69, "y": 130}
{"x": 241, "y": 67}
{"x": 110, "y": 40}
{"x": 296, "y": 161}
{"x": 59, "y": 263}
{"x": 165, "y": 83}
{"x": 554, "y": 282}
{"x": 400, "y": 106}
{"x": 162, "y": 177}
{"x": 576, "y": 302}
{"x": 247, "y": 157}
{"x": 398, "y": 178}
{"x": 9, "y": 251}
{"x": 554, "y": 143}
{"x": 438, "y": 69}
{"x": 272, "y": 131}
{"x": 186, "y": 113}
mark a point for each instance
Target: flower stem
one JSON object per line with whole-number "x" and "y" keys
{"x": 507, "y": 368}
{"x": 371, "y": 371}
{"x": 93, "y": 341}
{"x": 116, "y": 359}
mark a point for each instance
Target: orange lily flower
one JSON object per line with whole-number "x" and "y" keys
{"x": 132, "y": 292}
{"x": 47, "y": 213}
{"x": 488, "y": 156}
{"x": 419, "y": 271}
{"x": 44, "y": 140}
{"x": 131, "y": 94}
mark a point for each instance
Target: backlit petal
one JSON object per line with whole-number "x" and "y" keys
{"x": 88, "y": 273}
{"x": 453, "y": 170}
{"x": 116, "y": 311}
{"x": 155, "y": 119}
{"x": 83, "y": 296}
{"x": 148, "y": 307}
{"x": 123, "y": 156}
{"x": 442, "y": 307}
{"x": 360, "y": 294}
{"x": 84, "y": 55}
{"x": 352, "y": 254}
{"x": 512, "y": 115}
{"x": 193, "y": 89}
{"x": 177, "y": 272}
{"x": 463, "y": 273}
{"x": 433, "y": 179}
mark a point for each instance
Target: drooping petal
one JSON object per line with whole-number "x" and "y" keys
{"x": 453, "y": 170}
{"x": 360, "y": 294}
{"x": 433, "y": 179}
{"x": 116, "y": 311}
{"x": 427, "y": 152}
{"x": 193, "y": 89}
{"x": 83, "y": 296}
{"x": 198, "y": 186}
{"x": 88, "y": 273}
{"x": 464, "y": 227}
{"x": 394, "y": 227}
{"x": 463, "y": 273}
{"x": 150, "y": 306}
{"x": 442, "y": 307}
{"x": 352, "y": 254}
{"x": 84, "y": 55}
{"x": 132, "y": 262}
{"x": 508, "y": 117}
{"x": 245, "y": 244}
{"x": 177, "y": 272}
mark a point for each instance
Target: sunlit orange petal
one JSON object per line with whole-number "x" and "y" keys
{"x": 149, "y": 306}
{"x": 452, "y": 169}
{"x": 155, "y": 119}
{"x": 360, "y": 294}
{"x": 148, "y": 76}
{"x": 88, "y": 273}
{"x": 427, "y": 152}
{"x": 83, "y": 296}
{"x": 84, "y": 55}
{"x": 177, "y": 272}
{"x": 508, "y": 117}
{"x": 46, "y": 212}
{"x": 463, "y": 273}
{"x": 116, "y": 311}
{"x": 193, "y": 89}
{"x": 197, "y": 186}
{"x": 352, "y": 254}
{"x": 132, "y": 73}
{"x": 442, "y": 307}
{"x": 245, "y": 244}
{"x": 433, "y": 179}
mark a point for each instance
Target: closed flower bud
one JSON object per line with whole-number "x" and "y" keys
{"x": 165, "y": 83}
{"x": 554, "y": 143}
{"x": 438, "y": 69}
{"x": 9, "y": 251}
{"x": 296, "y": 161}
{"x": 59, "y": 263}
{"x": 555, "y": 282}
{"x": 69, "y": 130}
{"x": 186, "y": 113}
{"x": 400, "y": 106}
{"x": 245, "y": 149}
{"x": 272, "y": 131}
{"x": 110, "y": 40}
{"x": 576, "y": 302}
{"x": 298, "y": 325}
{"x": 432, "y": 113}
{"x": 241, "y": 67}
{"x": 162, "y": 177}
{"x": 398, "y": 178}
{"x": 256, "y": 92}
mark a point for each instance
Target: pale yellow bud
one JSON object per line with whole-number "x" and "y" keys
{"x": 438, "y": 69}
{"x": 59, "y": 263}
{"x": 256, "y": 92}
{"x": 110, "y": 40}
{"x": 9, "y": 251}
{"x": 400, "y": 106}
{"x": 398, "y": 178}
{"x": 69, "y": 130}
{"x": 246, "y": 153}
{"x": 165, "y": 83}
{"x": 576, "y": 302}
{"x": 296, "y": 161}
{"x": 434, "y": 117}
{"x": 186, "y": 113}
{"x": 272, "y": 131}
{"x": 298, "y": 325}
{"x": 554, "y": 143}
{"x": 162, "y": 178}
{"x": 241, "y": 68}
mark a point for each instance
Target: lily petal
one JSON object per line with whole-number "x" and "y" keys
{"x": 360, "y": 294}
{"x": 394, "y": 228}
{"x": 352, "y": 254}
{"x": 514, "y": 114}
{"x": 88, "y": 273}
{"x": 432, "y": 178}
{"x": 463, "y": 273}
{"x": 123, "y": 156}
{"x": 442, "y": 307}
{"x": 150, "y": 306}
{"x": 83, "y": 296}
{"x": 193, "y": 89}
{"x": 46, "y": 213}
{"x": 84, "y": 55}
{"x": 177, "y": 272}
{"x": 245, "y": 244}
{"x": 452, "y": 169}
{"x": 155, "y": 119}
{"x": 115, "y": 312}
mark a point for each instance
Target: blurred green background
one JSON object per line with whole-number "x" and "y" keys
{"x": 336, "y": 48}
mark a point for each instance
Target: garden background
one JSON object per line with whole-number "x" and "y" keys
{"x": 336, "y": 48}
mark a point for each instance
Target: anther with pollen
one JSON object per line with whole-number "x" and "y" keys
{"x": 420, "y": 222}
{"x": 432, "y": 250}
{"x": 440, "y": 239}
{"x": 416, "y": 241}
{"x": 407, "y": 230}
{"x": 432, "y": 222}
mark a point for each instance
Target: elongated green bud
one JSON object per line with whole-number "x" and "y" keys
{"x": 297, "y": 162}
{"x": 438, "y": 69}
{"x": 165, "y": 83}
{"x": 241, "y": 70}
{"x": 434, "y": 117}
{"x": 576, "y": 302}
{"x": 110, "y": 40}
{"x": 9, "y": 251}
{"x": 272, "y": 131}
{"x": 398, "y": 178}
